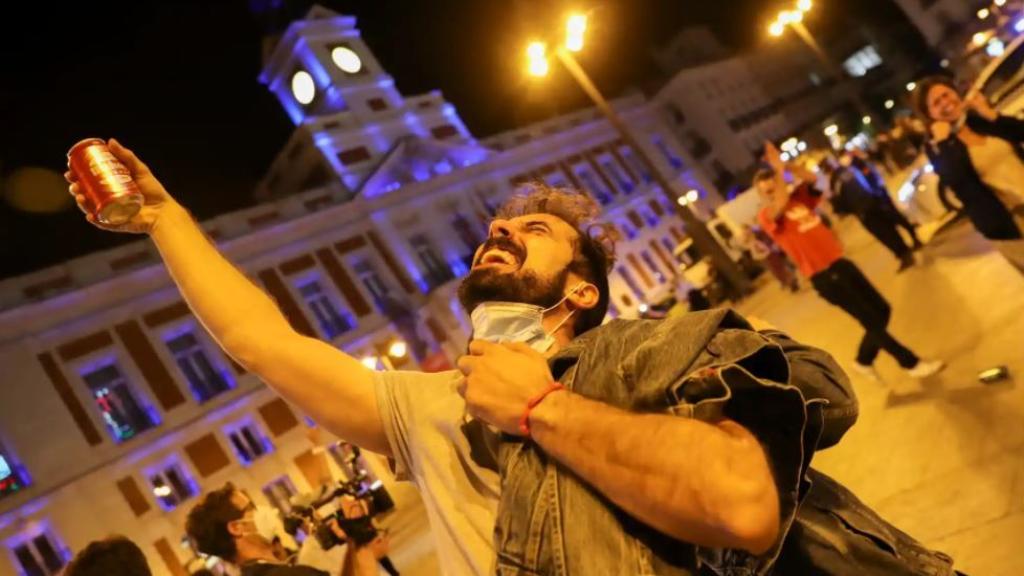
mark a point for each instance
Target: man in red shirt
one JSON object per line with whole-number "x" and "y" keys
{"x": 788, "y": 215}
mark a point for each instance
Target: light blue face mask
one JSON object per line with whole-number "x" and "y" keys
{"x": 517, "y": 322}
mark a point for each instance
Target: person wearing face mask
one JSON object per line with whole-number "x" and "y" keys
{"x": 977, "y": 155}
{"x": 657, "y": 446}
{"x": 228, "y": 525}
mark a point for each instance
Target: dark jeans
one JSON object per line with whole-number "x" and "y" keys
{"x": 882, "y": 225}
{"x": 844, "y": 285}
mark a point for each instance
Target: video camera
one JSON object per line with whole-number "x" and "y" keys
{"x": 359, "y": 529}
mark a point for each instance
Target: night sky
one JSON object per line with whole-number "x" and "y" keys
{"x": 177, "y": 82}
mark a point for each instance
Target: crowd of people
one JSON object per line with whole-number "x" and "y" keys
{"x": 536, "y": 455}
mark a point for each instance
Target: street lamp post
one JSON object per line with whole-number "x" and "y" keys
{"x": 702, "y": 238}
{"x": 794, "y": 19}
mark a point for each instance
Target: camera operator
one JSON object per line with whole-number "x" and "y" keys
{"x": 227, "y": 524}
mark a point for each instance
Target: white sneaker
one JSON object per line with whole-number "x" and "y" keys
{"x": 867, "y": 371}
{"x": 926, "y": 368}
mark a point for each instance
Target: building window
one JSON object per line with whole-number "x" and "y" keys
{"x": 332, "y": 322}
{"x": 654, "y": 267}
{"x": 40, "y": 555}
{"x": 631, "y": 282}
{"x": 171, "y": 485}
{"x": 248, "y": 441}
{"x": 11, "y": 480}
{"x": 204, "y": 380}
{"x": 628, "y": 230}
{"x": 556, "y": 180}
{"x": 353, "y": 156}
{"x": 650, "y": 217}
{"x": 861, "y": 61}
{"x": 668, "y": 244}
{"x": 279, "y": 493}
{"x": 437, "y": 272}
{"x": 593, "y": 183}
{"x": 467, "y": 232}
{"x": 667, "y": 152}
{"x": 371, "y": 280}
{"x": 121, "y": 411}
{"x": 617, "y": 173}
{"x": 638, "y": 165}
{"x": 444, "y": 131}
{"x": 377, "y": 104}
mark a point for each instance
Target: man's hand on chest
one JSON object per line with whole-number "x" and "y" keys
{"x": 500, "y": 380}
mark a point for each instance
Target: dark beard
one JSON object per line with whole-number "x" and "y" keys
{"x": 523, "y": 286}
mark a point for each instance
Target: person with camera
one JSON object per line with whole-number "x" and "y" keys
{"x": 227, "y": 524}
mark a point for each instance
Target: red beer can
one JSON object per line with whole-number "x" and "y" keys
{"x": 110, "y": 193}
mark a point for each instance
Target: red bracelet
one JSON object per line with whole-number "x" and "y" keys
{"x": 524, "y": 422}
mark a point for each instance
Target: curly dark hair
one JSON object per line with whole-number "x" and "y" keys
{"x": 207, "y": 523}
{"x": 919, "y": 97}
{"x": 113, "y": 555}
{"x": 594, "y": 244}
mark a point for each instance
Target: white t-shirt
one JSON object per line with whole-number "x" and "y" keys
{"x": 999, "y": 166}
{"x": 445, "y": 456}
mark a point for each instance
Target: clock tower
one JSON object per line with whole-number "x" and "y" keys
{"x": 345, "y": 105}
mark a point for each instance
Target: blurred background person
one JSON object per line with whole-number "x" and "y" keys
{"x": 852, "y": 194}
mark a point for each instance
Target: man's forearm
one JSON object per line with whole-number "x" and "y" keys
{"x": 702, "y": 483}
{"x": 222, "y": 297}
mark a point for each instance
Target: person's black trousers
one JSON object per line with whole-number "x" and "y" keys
{"x": 845, "y": 286}
{"x": 899, "y": 218}
{"x": 882, "y": 226}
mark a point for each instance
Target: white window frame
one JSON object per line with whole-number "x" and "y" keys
{"x": 122, "y": 360}
{"x": 205, "y": 347}
{"x": 28, "y": 538}
{"x": 337, "y": 301}
{"x": 160, "y": 469}
{"x": 236, "y": 427}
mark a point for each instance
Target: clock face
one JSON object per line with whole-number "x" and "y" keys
{"x": 346, "y": 59}
{"x": 303, "y": 87}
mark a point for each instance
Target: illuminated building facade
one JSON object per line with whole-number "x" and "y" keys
{"x": 117, "y": 409}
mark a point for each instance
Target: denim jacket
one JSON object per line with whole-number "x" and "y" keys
{"x": 705, "y": 365}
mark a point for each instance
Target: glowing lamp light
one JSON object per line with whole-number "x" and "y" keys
{"x": 889, "y": 104}
{"x": 831, "y": 130}
{"x": 995, "y": 48}
{"x": 866, "y": 119}
{"x": 642, "y": 308}
{"x": 801, "y": 146}
{"x": 979, "y": 38}
{"x": 162, "y": 491}
{"x": 346, "y": 59}
{"x": 692, "y": 196}
{"x": 398, "y": 349}
{"x": 929, "y": 168}
{"x": 1018, "y": 26}
{"x": 1000, "y": 3}
{"x": 777, "y": 28}
{"x": 983, "y": 13}
{"x": 911, "y": 86}
{"x": 682, "y": 201}
{"x": 575, "y": 26}
{"x": 303, "y": 87}
{"x": 784, "y": 156}
{"x": 370, "y": 362}
{"x": 538, "y": 60}
{"x": 804, "y": 5}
